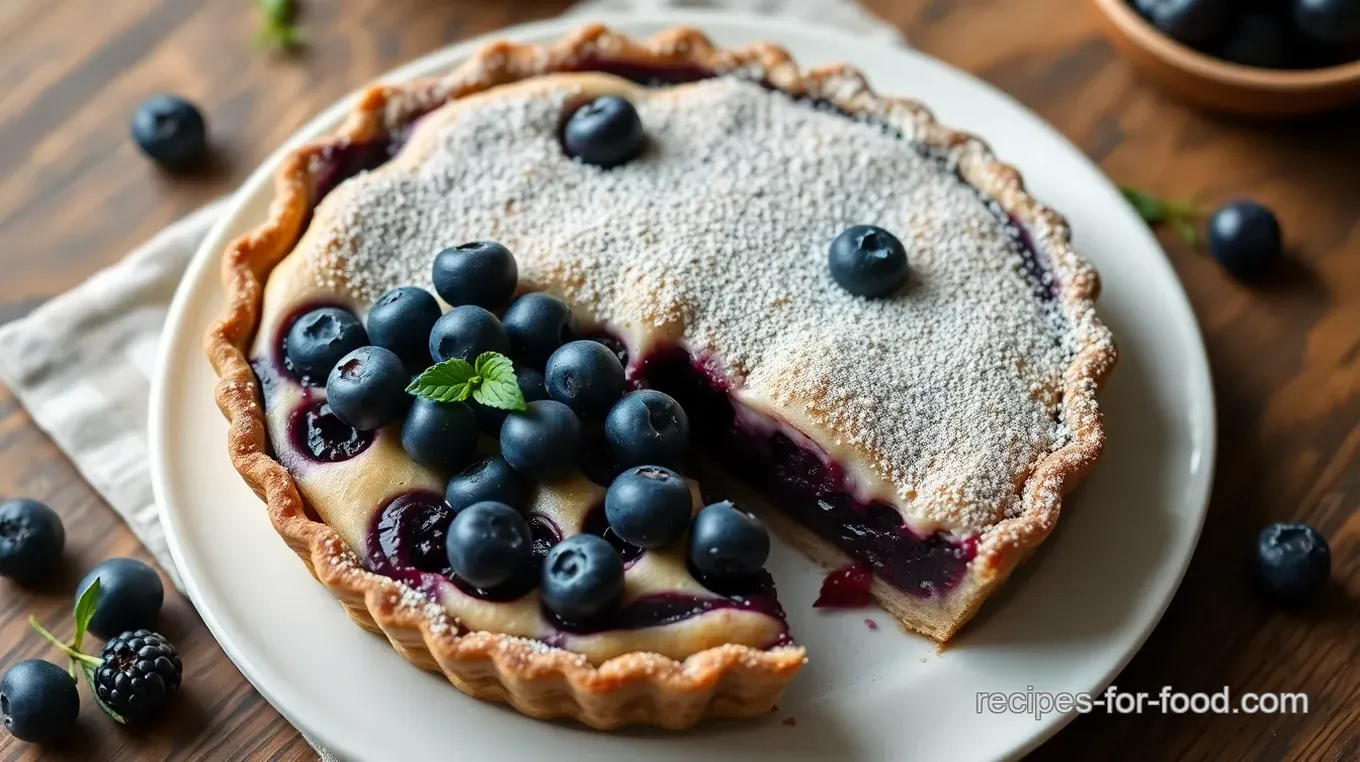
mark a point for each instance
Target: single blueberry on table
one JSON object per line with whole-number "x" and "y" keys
{"x": 31, "y": 540}
{"x": 727, "y": 542}
{"x": 868, "y": 261}
{"x": 538, "y": 323}
{"x": 582, "y": 578}
{"x": 1245, "y": 238}
{"x": 318, "y": 339}
{"x": 647, "y": 427}
{"x": 530, "y": 383}
{"x": 543, "y": 441}
{"x": 649, "y": 506}
{"x": 171, "y": 131}
{"x": 1193, "y": 22}
{"x": 606, "y": 132}
{"x": 481, "y": 273}
{"x": 1292, "y": 563}
{"x": 466, "y": 332}
{"x": 130, "y": 596}
{"x": 367, "y": 388}
{"x": 439, "y": 435}
{"x": 488, "y": 479}
{"x": 401, "y": 321}
{"x": 586, "y": 376}
{"x": 489, "y": 543}
{"x": 38, "y": 701}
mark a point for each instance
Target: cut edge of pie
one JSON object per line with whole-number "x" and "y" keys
{"x": 645, "y": 688}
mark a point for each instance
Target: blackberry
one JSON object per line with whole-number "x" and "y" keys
{"x": 141, "y": 670}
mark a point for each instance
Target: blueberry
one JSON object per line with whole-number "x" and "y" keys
{"x": 1255, "y": 40}
{"x": 401, "y": 321}
{"x": 439, "y": 435}
{"x": 649, "y": 506}
{"x": 39, "y": 701}
{"x": 489, "y": 543}
{"x": 1245, "y": 238}
{"x": 481, "y": 273}
{"x": 1292, "y": 563}
{"x": 868, "y": 261}
{"x": 647, "y": 427}
{"x": 585, "y": 376}
{"x": 542, "y": 442}
{"x": 31, "y": 539}
{"x": 726, "y": 541}
{"x": 317, "y": 340}
{"x": 538, "y": 324}
{"x": 1332, "y": 23}
{"x": 606, "y": 132}
{"x": 488, "y": 479}
{"x": 530, "y": 384}
{"x": 1193, "y": 22}
{"x": 170, "y": 131}
{"x": 582, "y": 578}
{"x": 367, "y": 388}
{"x": 130, "y": 596}
{"x": 465, "y": 332}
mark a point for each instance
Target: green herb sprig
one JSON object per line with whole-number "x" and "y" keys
{"x": 83, "y": 663}
{"x": 489, "y": 380}
{"x": 1180, "y": 216}
{"x": 279, "y": 32}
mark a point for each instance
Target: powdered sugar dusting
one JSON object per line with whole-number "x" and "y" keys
{"x": 717, "y": 236}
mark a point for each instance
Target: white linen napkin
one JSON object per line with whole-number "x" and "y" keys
{"x": 108, "y": 328}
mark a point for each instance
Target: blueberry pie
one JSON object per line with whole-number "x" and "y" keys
{"x": 525, "y": 358}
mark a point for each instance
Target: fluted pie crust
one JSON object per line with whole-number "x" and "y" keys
{"x": 543, "y": 682}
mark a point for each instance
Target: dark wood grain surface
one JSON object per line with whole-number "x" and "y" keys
{"x": 75, "y": 196}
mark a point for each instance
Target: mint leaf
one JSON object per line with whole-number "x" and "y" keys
{"x": 279, "y": 30}
{"x": 450, "y": 381}
{"x": 88, "y": 671}
{"x": 85, "y": 612}
{"x": 1180, "y": 216}
{"x": 1184, "y": 228}
{"x": 499, "y": 387}
{"x": 77, "y": 658}
{"x": 1149, "y": 207}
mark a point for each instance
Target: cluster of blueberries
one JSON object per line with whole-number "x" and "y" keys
{"x": 1271, "y": 34}
{"x": 568, "y": 384}
{"x": 138, "y": 671}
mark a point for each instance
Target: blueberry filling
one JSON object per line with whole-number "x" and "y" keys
{"x": 597, "y": 523}
{"x": 662, "y": 609}
{"x": 320, "y": 435}
{"x": 343, "y": 160}
{"x": 807, "y": 487}
{"x": 411, "y": 533}
{"x": 545, "y": 532}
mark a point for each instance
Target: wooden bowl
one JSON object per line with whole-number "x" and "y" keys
{"x": 1220, "y": 85}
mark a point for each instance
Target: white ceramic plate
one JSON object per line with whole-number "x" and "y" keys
{"x": 1069, "y": 621}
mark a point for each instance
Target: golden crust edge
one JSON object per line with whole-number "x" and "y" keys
{"x": 729, "y": 681}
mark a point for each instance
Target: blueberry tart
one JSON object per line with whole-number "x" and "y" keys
{"x": 761, "y": 296}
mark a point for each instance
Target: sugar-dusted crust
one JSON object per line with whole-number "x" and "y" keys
{"x": 733, "y": 681}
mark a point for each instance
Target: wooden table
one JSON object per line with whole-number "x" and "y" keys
{"x": 75, "y": 196}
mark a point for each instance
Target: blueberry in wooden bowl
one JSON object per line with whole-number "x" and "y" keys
{"x": 1265, "y": 58}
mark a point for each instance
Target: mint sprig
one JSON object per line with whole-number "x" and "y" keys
{"x": 1180, "y": 216}
{"x": 490, "y": 380}
{"x": 82, "y": 662}
{"x": 278, "y": 31}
